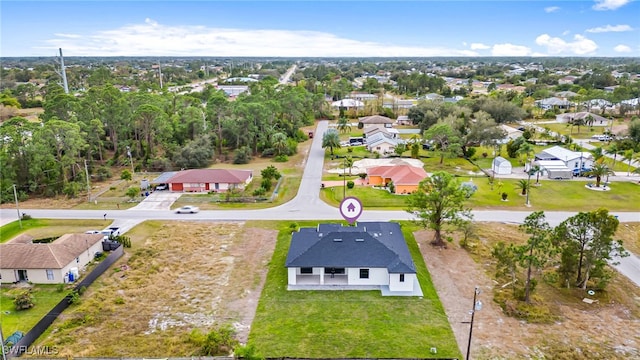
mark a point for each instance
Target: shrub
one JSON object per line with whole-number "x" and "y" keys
{"x": 350, "y": 184}
{"x": 119, "y": 301}
{"x": 103, "y": 173}
{"x": 504, "y": 196}
{"x": 362, "y": 176}
{"x": 217, "y": 342}
{"x": 349, "y": 150}
{"x": 484, "y": 155}
{"x": 126, "y": 175}
{"x": 259, "y": 191}
{"x": 122, "y": 239}
{"x": 281, "y": 158}
{"x": 266, "y": 184}
{"x": 242, "y": 155}
{"x": 247, "y": 352}
{"x": 24, "y": 300}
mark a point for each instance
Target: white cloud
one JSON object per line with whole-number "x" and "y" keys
{"x": 609, "y": 4}
{"x": 622, "y": 48}
{"x": 510, "y": 50}
{"x": 154, "y": 39}
{"x": 566, "y": 32}
{"x": 479, "y": 46}
{"x": 610, "y": 28}
{"x": 551, "y": 9}
{"x": 555, "y": 46}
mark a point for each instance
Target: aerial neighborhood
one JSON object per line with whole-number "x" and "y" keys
{"x": 480, "y": 202}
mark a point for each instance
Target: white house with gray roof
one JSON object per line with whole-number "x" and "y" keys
{"x": 368, "y": 256}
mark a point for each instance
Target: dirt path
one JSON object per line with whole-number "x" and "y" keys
{"x": 496, "y": 336}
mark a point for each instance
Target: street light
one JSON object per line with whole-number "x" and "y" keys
{"x": 529, "y": 173}
{"x": 477, "y": 306}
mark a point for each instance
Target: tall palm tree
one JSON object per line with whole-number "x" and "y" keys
{"x": 599, "y": 170}
{"x": 343, "y": 125}
{"x": 613, "y": 150}
{"x": 525, "y": 150}
{"x": 348, "y": 162}
{"x": 598, "y": 154}
{"x": 331, "y": 139}
{"x": 628, "y": 156}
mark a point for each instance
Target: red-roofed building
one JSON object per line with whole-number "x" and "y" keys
{"x": 405, "y": 178}
{"x": 205, "y": 180}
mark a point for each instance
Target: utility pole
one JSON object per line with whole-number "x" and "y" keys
{"x": 15, "y": 196}
{"x": 477, "y": 305}
{"x": 63, "y": 73}
{"x": 86, "y": 173}
{"x": 160, "y": 73}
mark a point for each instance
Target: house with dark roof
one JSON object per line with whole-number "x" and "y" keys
{"x": 205, "y": 180}
{"x": 47, "y": 263}
{"x": 368, "y": 256}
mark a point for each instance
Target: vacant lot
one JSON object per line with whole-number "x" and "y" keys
{"x": 604, "y": 330}
{"x": 177, "y": 276}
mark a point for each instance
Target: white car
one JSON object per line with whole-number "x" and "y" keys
{"x": 188, "y": 209}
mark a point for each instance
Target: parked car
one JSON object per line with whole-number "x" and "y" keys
{"x": 162, "y": 187}
{"x": 92, "y": 232}
{"x": 188, "y": 209}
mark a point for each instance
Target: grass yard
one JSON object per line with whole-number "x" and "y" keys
{"x": 335, "y": 324}
{"x": 563, "y": 129}
{"x": 556, "y": 195}
{"x": 45, "y": 297}
{"x": 40, "y": 228}
{"x": 551, "y": 195}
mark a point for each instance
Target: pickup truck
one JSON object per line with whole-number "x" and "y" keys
{"x": 110, "y": 231}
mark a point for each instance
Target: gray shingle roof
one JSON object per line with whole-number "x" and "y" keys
{"x": 374, "y": 245}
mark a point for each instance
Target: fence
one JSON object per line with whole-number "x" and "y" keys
{"x": 24, "y": 344}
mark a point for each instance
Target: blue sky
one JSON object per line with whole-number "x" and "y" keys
{"x": 321, "y": 28}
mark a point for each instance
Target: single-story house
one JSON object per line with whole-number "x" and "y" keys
{"x": 434, "y": 97}
{"x": 589, "y": 119}
{"x": 571, "y": 159}
{"x": 501, "y": 166}
{"x": 552, "y": 103}
{"x": 405, "y": 178}
{"x": 348, "y": 103}
{"x": 51, "y": 263}
{"x": 362, "y": 96}
{"x": 204, "y": 180}
{"x": 368, "y": 256}
{"x": 375, "y": 121}
{"x": 404, "y": 120}
{"x": 381, "y": 143}
{"x": 391, "y": 133}
{"x": 510, "y": 133}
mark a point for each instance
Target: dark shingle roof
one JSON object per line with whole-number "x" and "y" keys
{"x": 374, "y": 244}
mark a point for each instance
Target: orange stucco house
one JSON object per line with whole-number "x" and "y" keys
{"x": 405, "y": 177}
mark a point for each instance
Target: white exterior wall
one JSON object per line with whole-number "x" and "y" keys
{"x": 396, "y": 285}
{"x": 8, "y": 276}
{"x": 291, "y": 275}
{"x": 384, "y": 147}
{"x": 377, "y": 276}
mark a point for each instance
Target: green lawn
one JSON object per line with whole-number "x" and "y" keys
{"x": 358, "y": 324}
{"x": 47, "y": 228}
{"x": 551, "y": 195}
{"x": 44, "y": 296}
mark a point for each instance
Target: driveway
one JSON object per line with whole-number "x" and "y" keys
{"x": 158, "y": 200}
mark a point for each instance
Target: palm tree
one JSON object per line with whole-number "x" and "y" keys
{"x": 524, "y": 185}
{"x": 525, "y": 149}
{"x": 343, "y": 125}
{"x": 598, "y": 154}
{"x": 279, "y": 141}
{"x": 536, "y": 170}
{"x": 599, "y": 170}
{"x": 331, "y": 139}
{"x": 628, "y": 156}
{"x": 348, "y": 162}
{"x": 613, "y": 150}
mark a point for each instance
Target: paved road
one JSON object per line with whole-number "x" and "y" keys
{"x": 306, "y": 205}
{"x": 285, "y": 78}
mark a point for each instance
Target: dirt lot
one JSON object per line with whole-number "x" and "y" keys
{"x": 587, "y": 328}
{"x": 185, "y": 275}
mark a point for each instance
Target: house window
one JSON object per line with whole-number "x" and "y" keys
{"x": 49, "y": 274}
{"x": 401, "y": 277}
{"x": 306, "y": 270}
{"x": 78, "y": 260}
{"x": 332, "y": 270}
{"x": 364, "y": 273}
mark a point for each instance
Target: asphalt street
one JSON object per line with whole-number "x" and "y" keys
{"x": 306, "y": 205}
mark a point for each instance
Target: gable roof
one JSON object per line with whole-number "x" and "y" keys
{"x": 376, "y": 119}
{"x": 374, "y": 244}
{"x": 560, "y": 153}
{"x": 584, "y": 115}
{"x": 55, "y": 255}
{"x": 229, "y": 176}
{"x": 399, "y": 174}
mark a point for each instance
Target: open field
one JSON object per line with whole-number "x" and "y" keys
{"x": 45, "y": 297}
{"x": 41, "y": 228}
{"x": 177, "y": 276}
{"x": 604, "y": 330}
{"x": 550, "y": 195}
{"x": 337, "y": 324}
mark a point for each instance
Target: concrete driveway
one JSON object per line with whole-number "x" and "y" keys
{"x": 158, "y": 200}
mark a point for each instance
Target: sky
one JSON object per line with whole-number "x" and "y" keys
{"x": 609, "y": 28}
